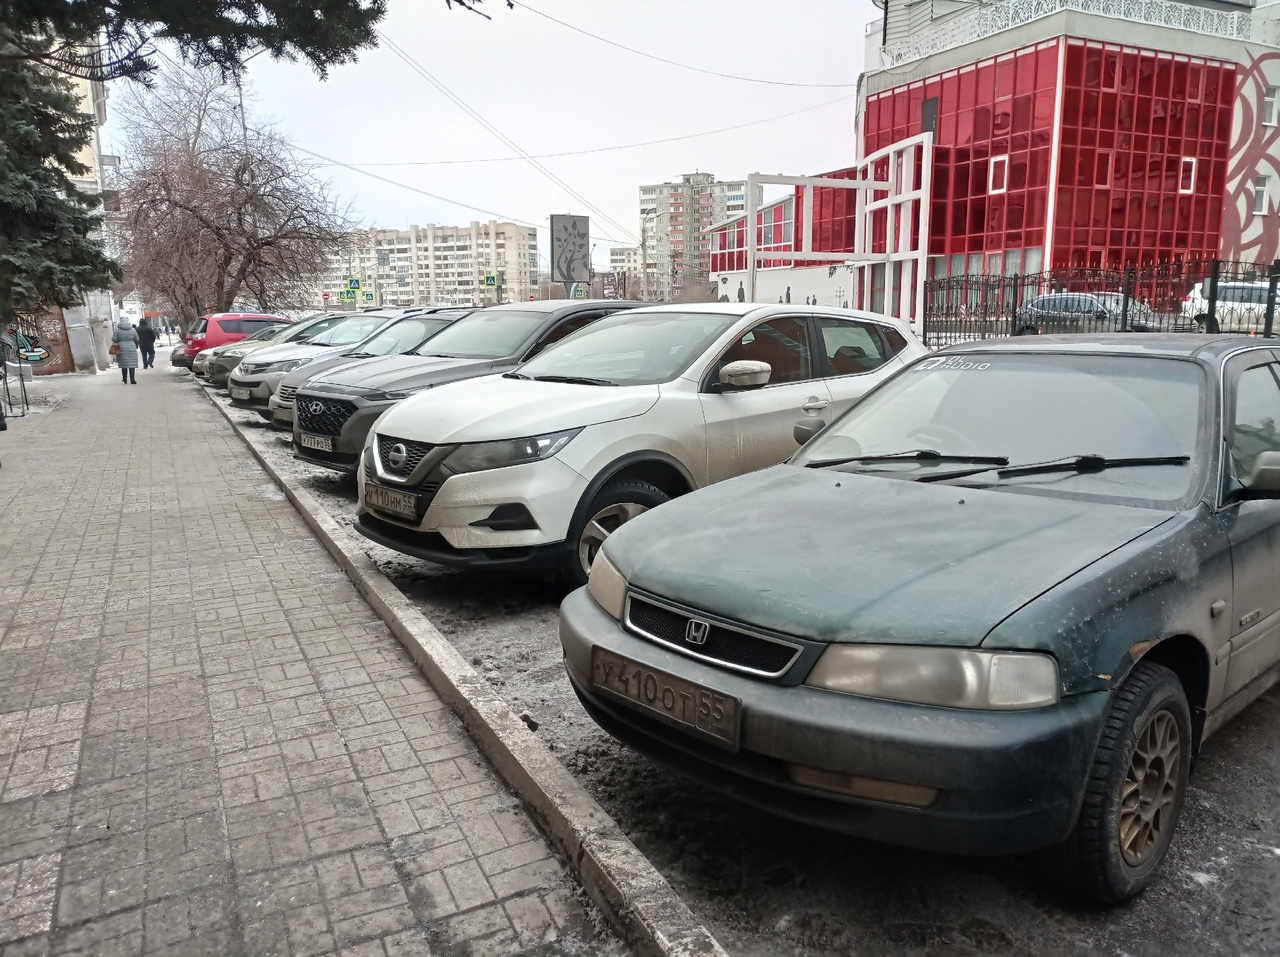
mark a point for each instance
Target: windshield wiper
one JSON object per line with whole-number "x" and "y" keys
{"x": 361, "y": 355}
{"x": 917, "y": 455}
{"x": 572, "y": 380}
{"x": 1079, "y": 463}
{"x": 515, "y": 375}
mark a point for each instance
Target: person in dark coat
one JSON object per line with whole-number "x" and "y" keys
{"x": 126, "y": 337}
{"x": 147, "y": 343}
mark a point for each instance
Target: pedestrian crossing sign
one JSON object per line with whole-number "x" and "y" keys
{"x": 353, "y": 283}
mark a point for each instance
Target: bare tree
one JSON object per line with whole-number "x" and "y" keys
{"x": 214, "y": 211}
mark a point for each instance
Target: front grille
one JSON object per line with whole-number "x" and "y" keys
{"x": 287, "y": 393}
{"x": 250, "y": 368}
{"x": 736, "y": 649}
{"x": 323, "y": 416}
{"x": 414, "y": 454}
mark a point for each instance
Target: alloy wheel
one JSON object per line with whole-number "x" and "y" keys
{"x": 1149, "y": 794}
{"x": 600, "y": 526}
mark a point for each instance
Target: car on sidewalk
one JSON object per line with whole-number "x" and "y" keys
{"x": 225, "y": 359}
{"x": 536, "y": 468}
{"x": 334, "y": 411}
{"x": 220, "y": 328}
{"x": 995, "y": 608}
{"x": 402, "y": 337}
{"x": 255, "y": 379}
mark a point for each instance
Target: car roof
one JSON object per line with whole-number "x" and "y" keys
{"x": 552, "y": 305}
{"x": 1170, "y": 345}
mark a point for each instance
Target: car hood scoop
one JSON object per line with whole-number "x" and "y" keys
{"x": 837, "y": 557}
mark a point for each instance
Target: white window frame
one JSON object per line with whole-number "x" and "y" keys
{"x": 1270, "y": 99}
{"x": 1261, "y": 184}
{"x": 1182, "y": 174}
{"x": 1104, "y": 181}
{"x": 1003, "y": 161}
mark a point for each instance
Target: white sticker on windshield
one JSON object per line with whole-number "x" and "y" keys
{"x": 951, "y": 362}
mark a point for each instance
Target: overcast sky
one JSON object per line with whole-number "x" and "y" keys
{"x": 551, "y": 90}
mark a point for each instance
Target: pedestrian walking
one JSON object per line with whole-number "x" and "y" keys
{"x": 125, "y": 346}
{"x": 147, "y": 343}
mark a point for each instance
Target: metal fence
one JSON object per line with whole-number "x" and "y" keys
{"x": 1196, "y": 296}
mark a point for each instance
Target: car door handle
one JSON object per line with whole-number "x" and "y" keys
{"x": 813, "y": 404}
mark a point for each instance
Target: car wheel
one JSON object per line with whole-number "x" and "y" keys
{"x": 1028, "y": 331}
{"x": 1201, "y": 321}
{"x": 614, "y": 505}
{"x": 1135, "y": 790}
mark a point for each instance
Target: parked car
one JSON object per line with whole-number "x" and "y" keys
{"x": 220, "y": 328}
{"x": 537, "y": 467}
{"x": 334, "y": 411}
{"x": 178, "y": 357}
{"x": 401, "y": 337}
{"x": 254, "y": 380}
{"x": 996, "y": 607}
{"x": 205, "y": 364}
{"x": 226, "y": 359}
{"x": 1078, "y": 312}
{"x": 1242, "y": 306}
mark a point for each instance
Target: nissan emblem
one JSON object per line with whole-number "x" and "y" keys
{"x": 397, "y": 457}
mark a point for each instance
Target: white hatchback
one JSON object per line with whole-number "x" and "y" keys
{"x": 536, "y": 467}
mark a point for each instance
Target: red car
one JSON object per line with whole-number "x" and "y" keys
{"x": 223, "y": 327}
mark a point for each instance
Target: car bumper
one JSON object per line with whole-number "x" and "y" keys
{"x": 452, "y": 527}
{"x": 281, "y": 413}
{"x": 261, "y": 388}
{"x": 181, "y": 360}
{"x": 1007, "y": 782}
{"x": 348, "y": 444}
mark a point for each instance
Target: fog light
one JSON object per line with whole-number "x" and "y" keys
{"x": 872, "y": 789}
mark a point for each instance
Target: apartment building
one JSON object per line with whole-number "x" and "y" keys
{"x": 480, "y": 264}
{"x": 628, "y": 261}
{"x": 674, "y": 219}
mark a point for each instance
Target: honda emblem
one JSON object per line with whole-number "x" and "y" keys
{"x": 695, "y": 632}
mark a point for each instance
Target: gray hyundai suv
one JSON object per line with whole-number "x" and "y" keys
{"x": 333, "y": 412}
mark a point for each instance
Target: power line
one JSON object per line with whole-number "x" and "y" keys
{"x": 510, "y": 143}
{"x": 676, "y": 63}
{"x": 610, "y": 149}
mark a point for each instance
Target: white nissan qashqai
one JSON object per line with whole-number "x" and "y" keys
{"x": 536, "y": 467}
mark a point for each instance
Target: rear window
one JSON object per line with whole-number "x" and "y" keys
{"x": 200, "y": 326}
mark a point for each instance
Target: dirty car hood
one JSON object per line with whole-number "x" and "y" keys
{"x": 847, "y": 558}
{"x": 396, "y": 372}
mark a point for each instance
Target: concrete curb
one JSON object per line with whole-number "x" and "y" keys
{"x": 637, "y": 900}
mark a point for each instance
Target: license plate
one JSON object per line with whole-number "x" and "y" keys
{"x": 404, "y": 504}
{"x": 322, "y": 442}
{"x": 239, "y": 393}
{"x": 677, "y": 699}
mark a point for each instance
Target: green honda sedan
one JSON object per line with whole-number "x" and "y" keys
{"x": 996, "y": 607}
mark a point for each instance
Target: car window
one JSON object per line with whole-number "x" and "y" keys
{"x": 403, "y": 336}
{"x": 200, "y": 326}
{"x": 310, "y": 329}
{"x": 230, "y": 326}
{"x": 485, "y": 334}
{"x": 782, "y": 342}
{"x": 266, "y": 333}
{"x": 851, "y": 348}
{"x": 564, "y": 329}
{"x": 354, "y": 329}
{"x": 1256, "y": 419}
{"x": 1248, "y": 295}
{"x": 255, "y": 325}
{"x": 632, "y": 347}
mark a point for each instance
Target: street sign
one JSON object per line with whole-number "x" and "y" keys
{"x": 325, "y": 297}
{"x": 533, "y": 298}
{"x": 579, "y": 293}
{"x": 353, "y": 283}
{"x": 368, "y": 297}
{"x": 490, "y": 280}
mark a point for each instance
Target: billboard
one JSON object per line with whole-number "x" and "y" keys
{"x": 570, "y": 252}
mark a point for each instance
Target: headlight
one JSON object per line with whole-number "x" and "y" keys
{"x": 236, "y": 353}
{"x": 288, "y": 366}
{"x": 497, "y": 455}
{"x": 950, "y": 677}
{"x": 391, "y": 396}
{"x": 607, "y": 586}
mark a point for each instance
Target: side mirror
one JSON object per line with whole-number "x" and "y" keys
{"x": 745, "y": 374}
{"x": 1264, "y": 480}
{"x": 806, "y": 429}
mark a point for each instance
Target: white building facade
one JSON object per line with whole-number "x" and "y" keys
{"x": 481, "y": 264}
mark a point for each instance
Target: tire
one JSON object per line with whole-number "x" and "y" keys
{"x": 1149, "y": 715}
{"x": 614, "y": 505}
{"x": 1028, "y": 331}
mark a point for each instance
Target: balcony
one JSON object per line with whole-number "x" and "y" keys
{"x": 987, "y": 20}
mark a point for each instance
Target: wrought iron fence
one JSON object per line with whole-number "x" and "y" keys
{"x": 1195, "y": 296}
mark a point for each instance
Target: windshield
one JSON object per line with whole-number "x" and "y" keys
{"x": 351, "y": 330}
{"x": 1032, "y": 409}
{"x": 309, "y": 328}
{"x": 269, "y": 332}
{"x": 487, "y": 334}
{"x": 404, "y": 335}
{"x": 631, "y": 348}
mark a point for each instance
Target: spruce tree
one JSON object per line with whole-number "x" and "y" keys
{"x": 46, "y": 253}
